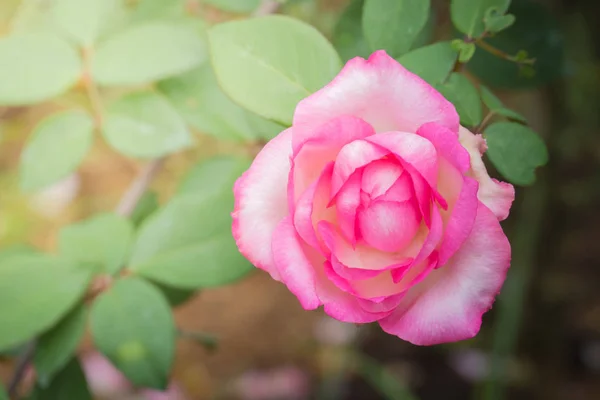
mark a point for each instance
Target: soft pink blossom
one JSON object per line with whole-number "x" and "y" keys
{"x": 376, "y": 205}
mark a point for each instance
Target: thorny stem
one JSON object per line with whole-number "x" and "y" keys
{"x": 499, "y": 53}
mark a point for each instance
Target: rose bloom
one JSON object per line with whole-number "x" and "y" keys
{"x": 376, "y": 204}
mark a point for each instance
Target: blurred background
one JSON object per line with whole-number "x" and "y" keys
{"x": 540, "y": 341}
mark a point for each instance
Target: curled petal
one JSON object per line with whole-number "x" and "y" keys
{"x": 347, "y": 202}
{"x": 497, "y": 196}
{"x": 351, "y": 157}
{"x": 379, "y": 176}
{"x": 380, "y": 91}
{"x": 447, "y": 145}
{"x": 448, "y": 305}
{"x": 261, "y": 202}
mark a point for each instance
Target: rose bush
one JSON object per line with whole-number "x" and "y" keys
{"x": 376, "y": 204}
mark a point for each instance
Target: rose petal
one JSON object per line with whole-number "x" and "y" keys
{"x": 346, "y": 204}
{"x": 497, "y": 196}
{"x": 295, "y": 267}
{"x": 261, "y": 202}
{"x": 447, "y": 145}
{"x": 448, "y": 305}
{"x": 351, "y": 157}
{"x": 380, "y": 91}
{"x": 379, "y": 176}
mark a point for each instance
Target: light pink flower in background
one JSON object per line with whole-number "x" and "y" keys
{"x": 376, "y": 205}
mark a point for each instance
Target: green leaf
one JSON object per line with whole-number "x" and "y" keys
{"x": 85, "y": 20}
{"x": 495, "y": 21}
{"x": 57, "y": 346}
{"x": 69, "y": 384}
{"x": 18, "y": 250}
{"x": 536, "y": 31}
{"x": 144, "y": 208}
{"x": 133, "y": 326}
{"x": 348, "y": 37}
{"x": 390, "y": 387}
{"x": 516, "y": 151}
{"x": 213, "y": 176}
{"x": 393, "y": 25}
{"x": 269, "y": 64}
{"x": 465, "y": 97}
{"x": 433, "y": 63}
{"x": 145, "y": 125}
{"x": 103, "y": 240}
{"x": 188, "y": 244}
{"x": 148, "y": 52}
{"x": 55, "y": 149}
{"x": 41, "y": 290}
{"x": 235, "y": 6}
{"x": 203, "y": 105}
{"x": 174, "y": 296}
{"x": 3, "y": 394}
{"x": 147, "y": 10}
{"x": 35, "y": 68}
{"x": 467, "y": 15}
{"x": 494, "y": 105}
{"x": 466, "y": 52}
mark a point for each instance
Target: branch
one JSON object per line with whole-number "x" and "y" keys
{"x": 501, "y": 54}
{"x": 138, "y": 187}
{"x": 23, "y": 363}
{"x": 91, "y": 88}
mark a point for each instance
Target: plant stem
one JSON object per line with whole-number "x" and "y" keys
{"x": 267, "y": 7}
{"x": 138, "y": 187}
{"x": 91, "y": 88}
{"x": 484, "y": 123}
{"x": 499, "y": 53}
{"x": 21, "y": 368}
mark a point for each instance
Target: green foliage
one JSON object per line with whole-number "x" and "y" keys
{"x": 269, "y": 64}
{"x": 69, "y": 384}
{"x": 55, "y": 149}
{"x": 393, "y": 25}
{"x": 188, "y": 244}
{"x": 536, "y": 31}
{"x": 468, "y": 15}
{"x": 148, "y": 52}
{"x": 203, "y": 105}
{"x": 516, "y": 151}
{"x": 148, "y": 10}
{"x": 145, "y": 125}
{"x": 433, "y": 63}
{"x": 40, "y": 289}
{"x": 175, "y": 296}
{"x": 465, "y": 50}
{"x": 56, "y": 347}
{"x": 459, "y": 90}
{"x": 102, "y": 241}
{"x": 133, "y": 326}
{"x": 36, "y": 67}
{"x": 348, "y": 37}
{"x": 83, "y": 21}
{"x": 495, "y": 22}
{"x": 3, "y": 394}
{"x": 236, "y": 6}
{"x": 144, "y": 208}
{"x": 495, "y": 106}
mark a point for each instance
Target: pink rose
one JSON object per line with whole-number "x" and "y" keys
{"x": 376, "y": 204}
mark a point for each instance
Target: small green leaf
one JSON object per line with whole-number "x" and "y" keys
{"x": 144, "y": 208}
{"x": 147, "y": 10}
{"x": 203, "y": 105}
{"x": 170, "y": 248}
{"x": 213, "y": 176}
{"x": 174, "y": 296}
{"x": 466, "y": 52}
{"x": 144, "y": 125}
{"x": 516, "y": 151}
{"x": 69, "y": 384}
{"x": 148, "y": 52}
{"x": 538, "y": 32}
{"x": 235, "y": 6}
{"x": 55, "y": 149}
{"x": 269, "y": 64}
{"x": 133, "y": 326}
{"x": 103, "y": 240}
{"x": 35, "y": 68}
{"x": 85, "y": 20}
{"x": 495, "y": 21}
{"x": 433, "y": 63}
{"x": 41, "y": 290}
{"x": 57, "y": 346}
{"x": 467, "y": 15}
{"x": 348, "y": 37}
{"x": 17, "y": 250}
{"x": 393, "y": 25}
{"x": 494, "y": 105}
{"x": 465, "y": 97}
